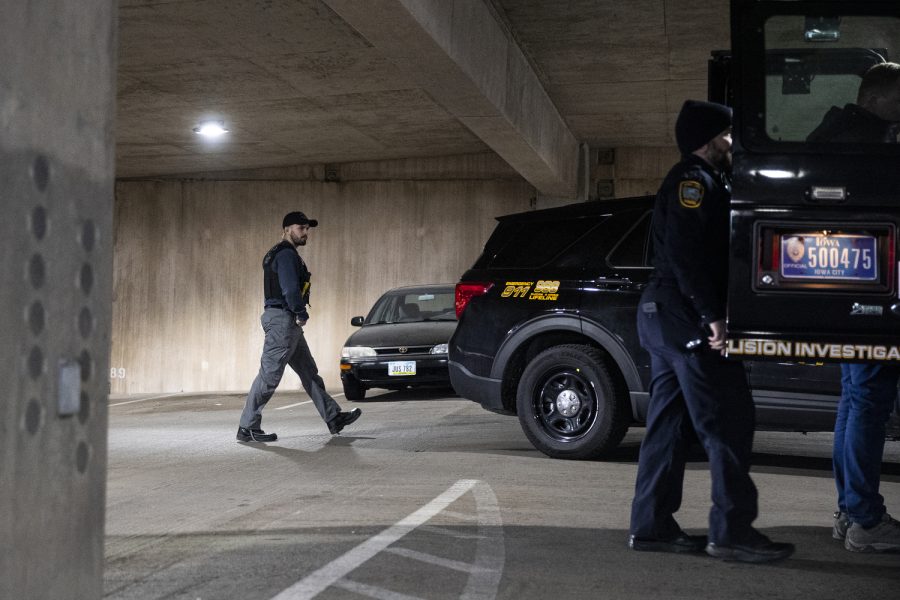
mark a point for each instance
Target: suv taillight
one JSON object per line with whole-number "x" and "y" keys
{"x": 466, "y": 290}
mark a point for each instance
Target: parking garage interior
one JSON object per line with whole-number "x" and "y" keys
{"x": 133, "y": 247}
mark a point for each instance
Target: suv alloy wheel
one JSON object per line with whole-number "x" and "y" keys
{"x": 569, "y": 405}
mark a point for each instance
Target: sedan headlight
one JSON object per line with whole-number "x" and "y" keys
{"x": 439, "y": 349}
{"x": 356, "y": 351}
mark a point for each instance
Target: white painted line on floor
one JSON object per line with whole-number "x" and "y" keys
{"x": 319, "y": 580}
{"x": 370, "y": 591}
{"x": 460, "y": 516}
{"x": 447, "y": 531}
{"x": 431, "y": 559}
{"x": 302, "y": 403}
{"x": 144, "y": 399}
{"x": 490, "y": 551}
{"x": 293, "y": 405}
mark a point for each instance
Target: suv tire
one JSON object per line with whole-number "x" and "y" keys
{"x": 570, "y": 405}
{"x": 353, "y": 389}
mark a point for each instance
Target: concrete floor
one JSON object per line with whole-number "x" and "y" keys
{"x": 429, "y": 496}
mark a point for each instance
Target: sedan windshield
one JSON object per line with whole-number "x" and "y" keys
{"x": 414, "y": 307}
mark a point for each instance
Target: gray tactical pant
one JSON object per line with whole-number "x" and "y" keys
{"x": 285, "y": 345}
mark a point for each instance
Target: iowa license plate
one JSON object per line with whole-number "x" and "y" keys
{"x": 402, "y": 368}
{"x": 835, "y": 257}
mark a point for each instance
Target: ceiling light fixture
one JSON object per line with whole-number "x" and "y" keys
{"x": 211, "y": 129}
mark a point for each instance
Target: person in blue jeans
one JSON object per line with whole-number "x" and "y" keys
{"x": 868, "y": 393}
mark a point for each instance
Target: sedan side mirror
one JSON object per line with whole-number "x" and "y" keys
{"x": 357, "y": 321}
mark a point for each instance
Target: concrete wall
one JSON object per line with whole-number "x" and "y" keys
{"x": 56, "y": 185}
{"x": 640, "y": 171}
{"x": 187, "y": 291}
{"x": 187, "y": 273}
{"x": 630, "y": 171}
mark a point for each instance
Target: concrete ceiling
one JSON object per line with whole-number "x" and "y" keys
{"x": 331, "y": 81}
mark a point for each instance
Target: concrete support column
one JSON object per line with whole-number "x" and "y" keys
{"x": 57, "y": 94}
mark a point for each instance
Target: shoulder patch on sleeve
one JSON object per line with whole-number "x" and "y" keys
{"x": 690, "y": 193}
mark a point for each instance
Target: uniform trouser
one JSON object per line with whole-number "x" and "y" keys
{"x": 868, "y": 392}
{"x": 707, "y": 393}
{"x": 285, "y": 345}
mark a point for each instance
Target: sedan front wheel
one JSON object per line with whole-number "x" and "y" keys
{"x": 353, "y": 389}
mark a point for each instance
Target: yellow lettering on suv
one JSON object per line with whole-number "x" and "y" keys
{"x": 545, "y": 290}
{"x": 516, "y": 289}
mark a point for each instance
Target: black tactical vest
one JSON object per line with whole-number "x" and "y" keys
{"x": 271, "y": 286}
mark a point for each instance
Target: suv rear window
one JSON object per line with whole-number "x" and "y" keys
{"x": 531, "y": 244}
{"x": 632, "y": 250}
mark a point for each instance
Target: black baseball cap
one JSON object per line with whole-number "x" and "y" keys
{"x": 297, "y": 218}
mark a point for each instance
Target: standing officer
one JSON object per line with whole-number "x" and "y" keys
{"x": 286, "y": 287}
{"x": 681, "y": 323}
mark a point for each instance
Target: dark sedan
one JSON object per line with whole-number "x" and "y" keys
{"x": 402, "y": 342}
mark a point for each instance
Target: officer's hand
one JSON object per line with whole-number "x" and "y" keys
{"x": 717, "y": 339}
{"x": 299, "y": 321}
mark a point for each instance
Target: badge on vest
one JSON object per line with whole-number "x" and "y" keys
{"x": 690, "y": 193}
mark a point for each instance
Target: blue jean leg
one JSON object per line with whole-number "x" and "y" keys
{"x": 868, "y": 392}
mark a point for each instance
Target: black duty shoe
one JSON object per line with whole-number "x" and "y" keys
{"x": 680, "y": 543}
{"x": 255, "y": 435}
{"x": 759, "y": 550}
{"x": 342, "y": 420}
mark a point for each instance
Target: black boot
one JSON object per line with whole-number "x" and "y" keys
{"x": 255, "y": 435}
{"x": 342, "y": 420}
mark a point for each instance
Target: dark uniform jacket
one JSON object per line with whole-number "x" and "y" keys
{"x": 690, "y": 238}
{"x": 286, "y": 280}
{"x": 853, "y": 124}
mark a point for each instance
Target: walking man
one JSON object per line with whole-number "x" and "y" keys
{"x": 286, "y": 285}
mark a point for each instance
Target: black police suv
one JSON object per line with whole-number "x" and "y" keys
{"x": 547, "y": 331}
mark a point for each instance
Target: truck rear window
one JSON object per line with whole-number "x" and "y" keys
{"x": 798, "y": 101}
{"x": 814, "y": 65}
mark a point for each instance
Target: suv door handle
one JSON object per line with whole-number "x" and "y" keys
{"x": 614, "y": 283}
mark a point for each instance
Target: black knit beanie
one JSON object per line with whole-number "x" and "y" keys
{"x": 699, "y": 122}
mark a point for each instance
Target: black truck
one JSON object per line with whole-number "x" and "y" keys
{"x": 547, "y": 313}
{"x": 814, "y": 271}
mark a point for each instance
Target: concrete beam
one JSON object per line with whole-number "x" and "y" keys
{"x": 464, "y": 59}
